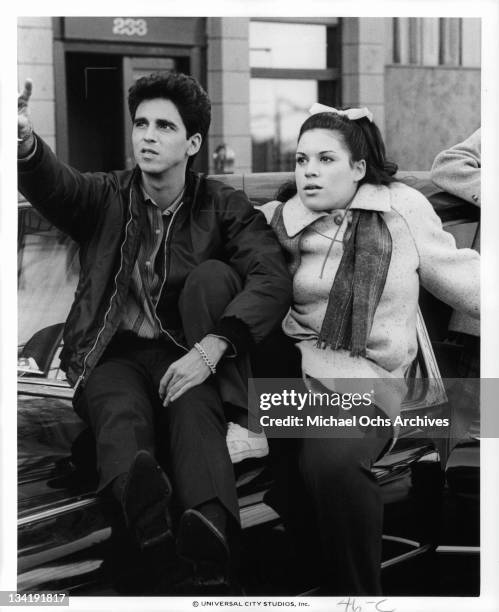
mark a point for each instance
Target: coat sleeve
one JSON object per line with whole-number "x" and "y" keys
{"x": 450, "y": 274}
{"x": 254, "y": 252}
{"x": 71, "y": 200}
{"x": 457, "y": 170}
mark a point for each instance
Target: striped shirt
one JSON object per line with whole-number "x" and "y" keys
{"x": 149, "y": 271}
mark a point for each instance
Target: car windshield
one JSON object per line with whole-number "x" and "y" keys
{"x": 47, "y": 276}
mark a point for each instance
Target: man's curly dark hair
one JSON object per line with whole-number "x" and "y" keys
{"x": 184, "y": 91}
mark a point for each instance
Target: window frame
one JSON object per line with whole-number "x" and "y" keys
{"x": 328, "y": 79}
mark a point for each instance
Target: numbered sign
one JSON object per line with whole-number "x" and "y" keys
{"x": 154, "y": 30}
{"x": 128, "y": 26}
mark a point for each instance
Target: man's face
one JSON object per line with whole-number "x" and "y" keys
{"x": 159, "y": 138}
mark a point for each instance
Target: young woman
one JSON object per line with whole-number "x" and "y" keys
{"x": 359, "y": 244}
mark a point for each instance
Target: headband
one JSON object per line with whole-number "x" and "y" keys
{"x": 351, "y": 113}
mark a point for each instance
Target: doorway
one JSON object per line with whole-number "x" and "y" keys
{"x": 94, "y": 85}
{"x": 98, "y": 127}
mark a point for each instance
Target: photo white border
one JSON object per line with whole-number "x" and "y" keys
{"x": 489, "y": 11}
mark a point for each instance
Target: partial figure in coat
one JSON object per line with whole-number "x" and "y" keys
{"x": 458, "y": 170}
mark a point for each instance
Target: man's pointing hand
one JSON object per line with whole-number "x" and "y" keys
{"x": 25, "y": 137}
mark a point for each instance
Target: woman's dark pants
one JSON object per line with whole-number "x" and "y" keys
{"x": 331, "y": 504}
{"x": 332, "y": 508}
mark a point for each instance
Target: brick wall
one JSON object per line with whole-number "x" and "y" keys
{"x": 363, "y": 65}
{"x": 228, "y": 77}
{"x": 429, "y": 109}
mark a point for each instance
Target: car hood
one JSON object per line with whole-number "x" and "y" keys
{"x": 47, "y": 428}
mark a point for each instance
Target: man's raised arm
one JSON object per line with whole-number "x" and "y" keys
{"x": 69, "y": 199}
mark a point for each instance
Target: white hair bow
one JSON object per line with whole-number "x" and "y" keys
{"x": 351, "y": 113}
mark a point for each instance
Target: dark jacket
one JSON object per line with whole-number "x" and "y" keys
{"x": 104, "y": 213}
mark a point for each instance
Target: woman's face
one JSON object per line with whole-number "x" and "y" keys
{"x": 326, "y": 178}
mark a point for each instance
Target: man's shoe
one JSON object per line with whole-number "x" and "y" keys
{"x": 205, "y": 547}
{"x": 145, "y": 501}
{"x": 245, "y": 445}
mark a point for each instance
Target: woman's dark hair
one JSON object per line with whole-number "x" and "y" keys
{"x": 364, "y": 141}
{"x": 184, "y": 91}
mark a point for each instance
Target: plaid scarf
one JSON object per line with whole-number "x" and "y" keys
{"x": 358, "y": 285}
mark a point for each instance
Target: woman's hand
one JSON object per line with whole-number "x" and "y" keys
{"x": 190, "y": 370}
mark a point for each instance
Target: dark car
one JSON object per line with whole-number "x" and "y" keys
{"x": 70, "y": 540}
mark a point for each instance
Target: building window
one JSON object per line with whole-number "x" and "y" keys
{"x": 292, "y": 65}
{"x": 436, "y": 41}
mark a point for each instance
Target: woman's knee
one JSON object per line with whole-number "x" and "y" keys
{"x": 333, "y": 461}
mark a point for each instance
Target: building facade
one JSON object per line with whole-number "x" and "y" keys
{"x": 420, "y": 78}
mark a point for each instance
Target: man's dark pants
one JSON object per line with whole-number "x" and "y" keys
{"x": 121, "y": 403}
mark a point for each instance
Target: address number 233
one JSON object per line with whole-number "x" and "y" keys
{"x": 127, "y": 26}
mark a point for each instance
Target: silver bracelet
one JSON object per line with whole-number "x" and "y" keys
{"x": 205, "y": 358}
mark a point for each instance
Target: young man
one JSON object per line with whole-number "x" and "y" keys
{"x": 180, "y": 277}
